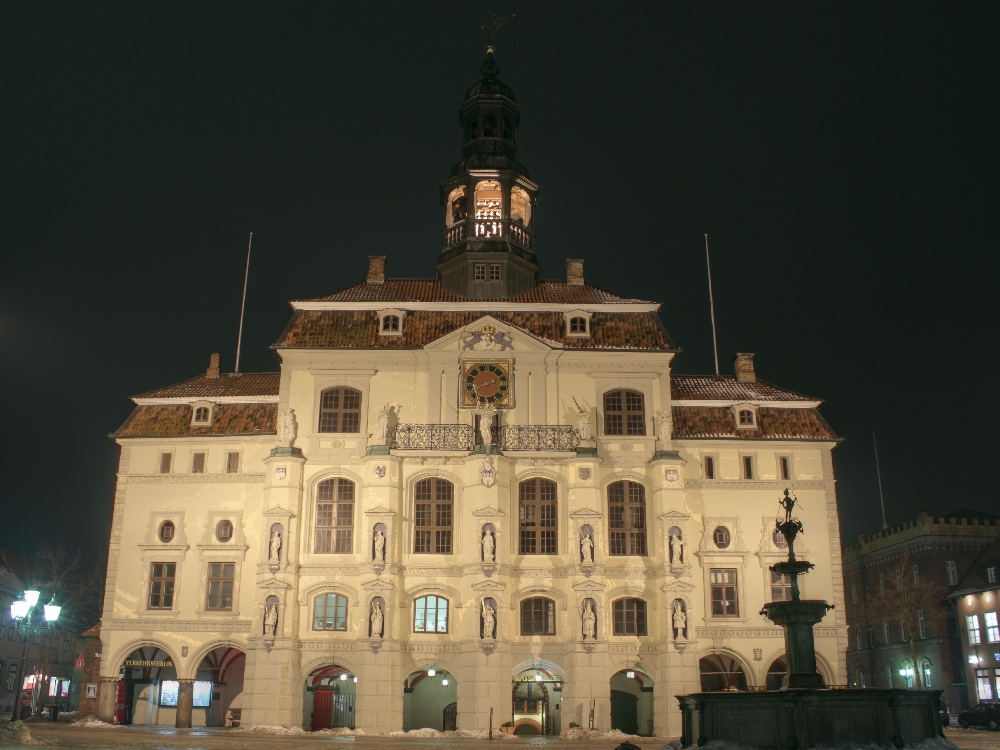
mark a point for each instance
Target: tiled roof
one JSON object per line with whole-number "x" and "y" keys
{"x": 174, "y": 420}
{"x": 773, "y": 423}
{"x": 430, "y": 290}
{"x": 977, "y": 578}
{"x": 92, "y": 632}
{"x": 359, "y": 329}
{"x": 728, "y": 388}
{"x": 245, "y": 384}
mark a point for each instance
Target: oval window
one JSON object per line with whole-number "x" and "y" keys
{"x": 721, "y": 537}
{"x": 224, "y": 531}
{"x": 167, "y": 531}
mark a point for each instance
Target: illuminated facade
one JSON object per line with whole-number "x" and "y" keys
{"x": 480, "y": 494}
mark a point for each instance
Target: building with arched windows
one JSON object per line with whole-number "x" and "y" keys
{"x": 472, "y": 495}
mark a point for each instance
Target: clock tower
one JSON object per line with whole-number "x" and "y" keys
{"x": 488, "y": 199}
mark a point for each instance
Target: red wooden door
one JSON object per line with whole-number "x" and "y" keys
{"x": 322, "y": 709}
{"x": 121, "y": 702}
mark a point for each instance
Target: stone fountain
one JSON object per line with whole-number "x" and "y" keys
{"x": 805, "y": 713}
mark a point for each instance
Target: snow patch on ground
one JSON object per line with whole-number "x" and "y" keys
{"x": 579, "y": 735}
{"x": 92, "y": 722}
{"x": 272, "y": 729}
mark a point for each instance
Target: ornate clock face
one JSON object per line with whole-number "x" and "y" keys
{"x": 486, "y": 381}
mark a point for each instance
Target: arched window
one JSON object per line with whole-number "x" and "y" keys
{"x": 458, "y": 206}
{"x": 430, "y": 614}
{"x": 432, "y": 516}
{"x": 627, "y": 518}
{"x": 520, "y": 206}
{"x": 630, "y": 617}
{"x": 538, "y": 531}
{"x": 330, "y": 612}
{"x": 776, "y": 674}
{"x": 624, "y": 413}
{"x": 719, "y": 672}
{"x": 334, "y": 516}
{"x": 201, "y": 415}
{"x": 489, "y": 209}
{"x": 390, "y": 323}
{"x": 538, "y": 616}
{"x": 340, "y": 410}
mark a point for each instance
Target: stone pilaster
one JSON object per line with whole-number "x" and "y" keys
{"x": 185, "y": 703}
{"x": 380, "y": 689}
{"x": 106, "y": 696}
{"x": 272, "y": 686}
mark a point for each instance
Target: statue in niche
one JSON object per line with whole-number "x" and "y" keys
{"x": 582, "y": 420}
{"x": 288, "y": 428}
{"x": 489, "y": 620}
{"x": 664, "y": 428}
{"x": 271, "y": 619}
{"x": 587, "y": 548}
{"x": 676, "y": 549}
{"x": 486, "y": 412}
{"x": 376, "y": 620}
{"x": 274, "y": 546}
{"x": 382, "y": 428}
{"x": 379, "y": 540}
{"x": 488, "y": 550}
{"x": 589, "y": 621}
{"x": 680, "y": 620}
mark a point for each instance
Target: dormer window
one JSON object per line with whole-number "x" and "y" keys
{"x": 202, "y": 413}
{"x": 391, "y": 322}
{"x": 745, "y": 416}
{"x": 578, "y": 324}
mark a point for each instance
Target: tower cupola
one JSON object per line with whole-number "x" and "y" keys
{"x": 488, "y": 199}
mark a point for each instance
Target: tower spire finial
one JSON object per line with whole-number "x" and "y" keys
{"x": 492, "y": 26}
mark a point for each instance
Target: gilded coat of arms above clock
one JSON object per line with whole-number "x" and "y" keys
{"x": 486, "y": 381}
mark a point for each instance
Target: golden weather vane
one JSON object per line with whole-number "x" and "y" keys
{"x": 492, "y": 26}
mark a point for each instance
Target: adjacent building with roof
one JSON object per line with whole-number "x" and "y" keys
{"x": 977, "y": 601}
{"x": 473, "y": 498}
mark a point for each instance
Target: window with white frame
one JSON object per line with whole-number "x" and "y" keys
{"x": 708, "y": 464}
{"x": 916, "y": 575}
{"x": 745, "y": 416}
{"x": 952, "y": 572}
{"x": 390, "y": 322}
{"x": 233, "y": 462}
{"x": 201, "y": 415}
{"x": 577, "y": 324}
{"x": 747, "y": 462}
{"x": 886, "y": 632}
{"x": 166, "y": 460}
{"x": 972, "y": 626}
{"x": 197, "y": 463}
{"x": 991, "y": 575}
{"x": 430, "y": 614}
{"x": 784, "y": 467}
{"x": 334, "y": 516}
{"x": 725, "y": 597}
{"x": 859, "y": 637}
{"x": 992, "y": 629}
{"x": 921, "y": 624}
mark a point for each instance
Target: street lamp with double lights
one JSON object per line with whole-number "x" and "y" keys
{"x": 22, "y": 613}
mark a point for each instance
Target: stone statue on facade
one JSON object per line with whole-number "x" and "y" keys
{"x": 582, "y": 420}
{"x": 271, "y": 620}
{"x": 680, "y": 620}
{"x": 676, "y": 549}
{"x": 489, "y": 620}
{"x": 376, "y": 620}
{"x": 274, "y": 546}
{"x": 589, "y": 621}
{"x": 486, "y": 412}
{"x": 664, "y": 427}
{"x": 488, "y": 550}
{"x": 382, "y": 423}
{"x": 379, "y": 539}
{"x": 288, "y": 429}
{"x": 587, "y": 548}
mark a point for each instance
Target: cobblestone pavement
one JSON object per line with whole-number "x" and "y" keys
{"x": 165, "y": 738}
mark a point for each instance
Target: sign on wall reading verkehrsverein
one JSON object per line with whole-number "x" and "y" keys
{"x": 140, "y": 663}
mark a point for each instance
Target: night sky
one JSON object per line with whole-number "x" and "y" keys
{"x": 842, "y": 157}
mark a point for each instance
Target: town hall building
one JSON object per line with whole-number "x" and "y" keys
{"x": 476, "y": 499}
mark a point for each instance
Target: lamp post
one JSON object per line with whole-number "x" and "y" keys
{"x": 22, "y": 614}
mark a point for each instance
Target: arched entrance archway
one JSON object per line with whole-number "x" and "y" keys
{"x": 430, "y": 700}
{"x": 536, "y": 696}
{"x": 632, "y": 702}
{"x": 776, "y": 674}
{"x": 146, "y": 691}
{"x": 218, "y": 688}
{"x": 330, "y": 699}
{"x": 721, "y": 672}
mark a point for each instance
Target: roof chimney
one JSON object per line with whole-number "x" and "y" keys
{"x": 376, "y": 269}
{"x": 574, "y": 271}
{"x": 743, "y": 367}
{"x": 213, "y": 366}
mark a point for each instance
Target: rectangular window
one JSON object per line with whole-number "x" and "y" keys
{"x": 991, "y": 575}
{"x": 748, "y": 467}
{"x": 854, "y": 593}
{"x": 983, "y": 687}
{"x": 871, "y": 637}
{"x": 709, "y": 467}
{"x": 886, "y": 632}
{"x": 220, "y": 586}
{"x": 859, "y": 637}
{"x": 627, "y": 518}
{"x": 724, "y": 597}
{"x": 630, "y": 617}
{"x": 538, "y": 517}
{"x": 161, "y": 585}
{"x": 921, "y": 624}
{"x": 480, "y": 271}
{"x": 781, "y": 587}
{"x": 916, "y": 575}
{"x": 433, "y": 499}
{"x": 952, "y": 572}
{"x": 198, "y": 463}
{"x": 992, "y": 629}
{"x": 972, "y": 624}
{"x": 66, "y": 641}
{"x": 335, "y": 517}
{"x": 538, "y": 617}
{"x": 165, "y": 460}
{"x": 11, "y": 677}
{"x": 232, "y": 463}
{"x": 494, "y": 272}
{"x": 624, "y": 413}
{"x": 430, "y": 614}
{"x": 785, "y": 467}
{"x": 330, "y": 612}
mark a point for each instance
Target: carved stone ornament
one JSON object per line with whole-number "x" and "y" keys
{"x": 584, "y": 473}
{"x": 487, "y": 338}
{"x": 280, "y": 472}
{"x": 670, "y": 475}
{"x": 488, "y": 472}
{"x": 379, "y": 472}
{"x": 288, "y": 428}
{"x": 758, "y": 654}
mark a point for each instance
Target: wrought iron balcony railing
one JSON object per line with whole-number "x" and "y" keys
{"x": 537, "y": 437}
{"x": 434, "y": 437}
